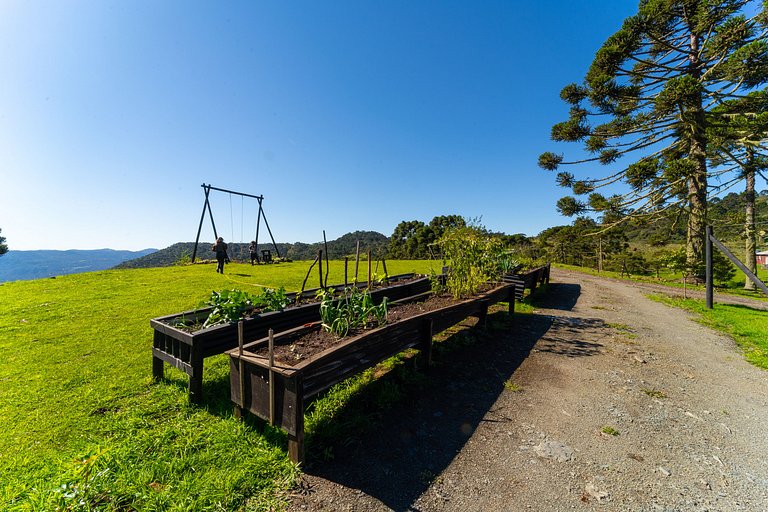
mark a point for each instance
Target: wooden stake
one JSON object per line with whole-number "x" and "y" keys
{"x": 327, "y": 263}
{"x": 384, "y": 264}
{"x": 241, "y": 364}
{"x": 357, "y": 259}
{"x": 305, "y": 280}
{"x": 271, "y": 377}
{"x": 369, "y": 269}
{"x": 320, "y": 266}
{"x": 346, "y": 263}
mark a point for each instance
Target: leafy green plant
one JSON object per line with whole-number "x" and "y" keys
{"x": 273, "y": 300}
{"x": 474, "y": 257}
{"x": 354, "y": 310}
{"x": 228, "y": 306}
{"x": 609, "y": 431}
{"x": 233, "y": 305}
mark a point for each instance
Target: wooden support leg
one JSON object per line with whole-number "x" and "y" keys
{"x": 196, "y": 378}
{"x": 296, "y": 447}
{"x": 157, "y": 363}
{"x": 157, "y": 368}
{"x": 426, "y": 344}
{"x": 482, "y": 318}
{"x": 296, "y": 440}
{"x": 512, "y": 300}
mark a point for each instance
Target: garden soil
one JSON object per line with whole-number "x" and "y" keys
{"x": 600, "y": 400}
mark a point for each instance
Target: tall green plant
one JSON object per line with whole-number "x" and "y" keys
{"x": 474, "y": 256}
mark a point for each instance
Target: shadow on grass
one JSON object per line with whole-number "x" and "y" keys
{"x": 393, "y": 452}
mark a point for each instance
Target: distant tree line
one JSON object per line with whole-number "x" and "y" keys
{"x": 3, "y": 245}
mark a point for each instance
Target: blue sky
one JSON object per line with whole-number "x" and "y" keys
{"x": 345, "y": 115}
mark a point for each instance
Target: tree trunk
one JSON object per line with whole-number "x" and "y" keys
{"x": 697, "y": 182}
{"x": 750, "y": 237}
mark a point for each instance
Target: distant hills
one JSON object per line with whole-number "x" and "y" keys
{"x": 339, "y": 248}
{"x": 22, "y": 265}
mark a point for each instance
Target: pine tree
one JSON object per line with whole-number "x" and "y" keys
{"x": 649, "y": 89}
{"x": 739, "y": 149}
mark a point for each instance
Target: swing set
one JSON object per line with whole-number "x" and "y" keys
{"x": 266, "y": 255}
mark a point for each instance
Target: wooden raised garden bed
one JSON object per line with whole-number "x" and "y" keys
{"x": 277, "y": 393}
{"x": 178, "y": 343}
{"x": 530, "y": 279}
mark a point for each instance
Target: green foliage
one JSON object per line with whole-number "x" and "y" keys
{"x": 651, "y": 91}
{"x": 184, "y": 259}
{"x": 233, "y": 305}
{"x": 475, "y": 258}
{"x": 3, "y": 245}
{"x": 414, "y": 239}
{"x": 722, "y": 268}
{"x": 354, "y": 310}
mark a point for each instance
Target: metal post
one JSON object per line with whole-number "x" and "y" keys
{"x": 708, "y": 271}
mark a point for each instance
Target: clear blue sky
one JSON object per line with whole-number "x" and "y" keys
{"x": 345, "y": 115}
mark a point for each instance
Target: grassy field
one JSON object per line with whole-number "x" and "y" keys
{"x": 84, "y": 426}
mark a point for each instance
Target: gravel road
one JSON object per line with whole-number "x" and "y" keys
{"x": 601, "y": 400}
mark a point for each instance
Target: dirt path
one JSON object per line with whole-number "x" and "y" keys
{"x": 690, "y": 418}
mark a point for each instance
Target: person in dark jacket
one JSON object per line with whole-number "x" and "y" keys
{"x": 253, "y": 249}
{"x": 221, "y": 254}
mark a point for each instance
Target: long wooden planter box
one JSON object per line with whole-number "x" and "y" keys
{"x": 292, "y": 386}
{"x": 186, "y": 350}
{"x": 530, "y": 279}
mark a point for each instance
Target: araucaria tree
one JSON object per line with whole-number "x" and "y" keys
{"x": 648, "y": 92}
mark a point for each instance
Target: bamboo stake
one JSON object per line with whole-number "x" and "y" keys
{"x": 271, "y": 377}
{"x": 384, "y": 264}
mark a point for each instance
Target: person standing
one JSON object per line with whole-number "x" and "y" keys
{"x": 221, "y": 254}
{"x": 254, "y": 252}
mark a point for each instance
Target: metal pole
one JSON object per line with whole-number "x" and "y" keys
{"x": 708, "y": 271}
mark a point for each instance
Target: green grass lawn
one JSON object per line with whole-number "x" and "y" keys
{"x": 747, "y": 326}
{"x": 85, "y": 428}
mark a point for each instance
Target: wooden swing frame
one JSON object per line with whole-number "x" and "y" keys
{"x": 207, "y": 206}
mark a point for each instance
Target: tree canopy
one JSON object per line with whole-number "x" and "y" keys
{"x": 3, "y": 245}
{"x": 413, "y": 239}
{"x": 648, "y": 92}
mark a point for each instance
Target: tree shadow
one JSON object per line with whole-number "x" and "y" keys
{"x": 561, "y": 296}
